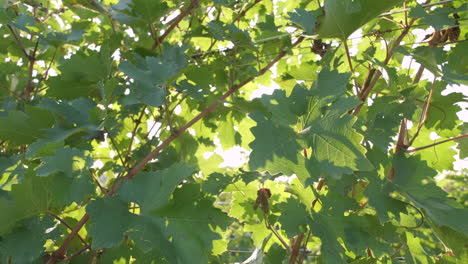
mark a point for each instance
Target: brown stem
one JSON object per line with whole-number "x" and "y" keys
{"x": 115, "y": 147}
{"x": 78, "y": 253}
{"x": 67, "y": 225}
{"x": 296, "y": 248}
{"x": 168, "y": 113}
{"x": 59, "y": 253}
{"x": 12, "y": 92}
{"x": 374, "y": 75}
{"x": 20, "y": 43}
{"x": 418, "y": 75}
{"x": 46, "y": 73}
{"x": 437, "y": 143}
{"x": 424, "y": 114}
{"x": 304, "y": 248}
{"x": 406, "y": 14}
{"x": 175, "y": 22}
{"x": 277, "y": 235}
{"x": 242, "y": 13}
{"x": 132, "y": 138}
{"x": 96, "y": 180}
{"x": 30, "y": 85}
{"x": 356, "y": 84}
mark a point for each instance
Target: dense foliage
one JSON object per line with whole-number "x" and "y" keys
{"x": 116, "y": 117}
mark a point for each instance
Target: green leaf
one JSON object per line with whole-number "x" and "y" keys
{"x": 330, "y": 84}
{"x": 429, "y": 57}
{"x": 272, "y": 141}
{"x": 151, "y": 11}
{"x": 299, "y": 100}
{"x": 452, "y": 239}
{"x": 154, "y": 71}
{"x": 201, "y": 76}
{"x": 326, "y": 229}
{"x": 25, "y": 243}
{"x": 66, "y": 190}
{"x": 443, "y": 112}
{"x": 341, "y": 18}
{"x": 304, "y": 19}
{"x": 151, "y": 190}
{"x": 148, "y": 234}
{"x": 415, "y": 251}
{"x": 294, "y": 217}
{"x": 281, "y": 113}
{"x": 25, "y": 127}
{"x": 66, "y": 160}
{"x": 79, "y": 75}
{"x": 439, "y": 157}
{"x": 192, "y": 220}
{"x": 379, "y": 193}
{"x": 457, "y": 56}
{"x": 336, "y": 148}
{"x": 109, "y": 220}
{"x": 413, "y": 179}
{"x": 26, "y": 199}
{"x": 439, "y": 19}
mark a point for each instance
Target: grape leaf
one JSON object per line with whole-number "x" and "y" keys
{"x": 151, "y": 190}
{"x": 413, "y": 179}
{"x": 378, "y": 192}
{"x": 438, "y": 19}
{"x": 109, "y": 220}
{"x": 26, "y": 199}
{"x": 272, "y": 141}
{"x": 66, "y": 190}
{"x": 457, "y": 57}
{"x": 152, "y": 71}
{"x": 25, "y": 127}
{"x": 25, "y": 243}
{"x": 293, "y": 218}
{"x": 304, "y": 19}
{"x": 79, "y": 75}
{"x": 439, "y": 157}
{"x": 151, "y": 11}
{"x": 66, "y": 160}
{"x": 336, "y": 145}
{"x": 341, "y": 18}
{"x": 192, "y": 220}
{"x": 415, "y": 251}
{"x": 443, "y": 111}
{"x": 281, "y": 113}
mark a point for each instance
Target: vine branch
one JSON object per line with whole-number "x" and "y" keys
{"x": 243, "y": 12}
{"x": 374, "y": 75}
{"x": 424, "y": 114}
{"x": 68, "y": 226}
{"x": 18, "y": 40}
{"x": 115, "y": 147}
{"x": 437, "y": 143}
{"x": 32, "y": 60}
{"x": 174, "y": 23}
{"x": 356, "y": 84}
{"x": 60, "y": 252}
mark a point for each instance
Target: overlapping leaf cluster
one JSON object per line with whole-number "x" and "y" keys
{"x": 115, "y": 114}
